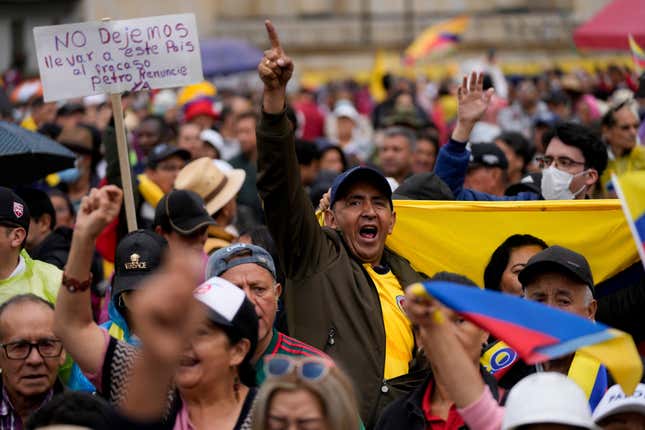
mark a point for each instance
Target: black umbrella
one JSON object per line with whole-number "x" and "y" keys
{"x": 26, "y": 156}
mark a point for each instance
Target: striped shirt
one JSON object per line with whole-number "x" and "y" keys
{"x": 285, "y": 345}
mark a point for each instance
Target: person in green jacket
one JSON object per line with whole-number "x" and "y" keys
{"x": 344, "y": 287}
{"x": 19, "y": 274}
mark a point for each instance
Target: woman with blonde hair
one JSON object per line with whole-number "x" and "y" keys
{"x": 309, "y": 393}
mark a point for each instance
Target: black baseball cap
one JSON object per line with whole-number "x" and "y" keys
{"x": 183, "y": 211}
{"x": 163, "y": 151}
{"x": 557, "y": 259}
{"x": 423, "y": 186}
{"x": 138, "y": 255}
{"x": 487, "y": 155}
{"x": 531, "y": 182}
{"x": 70, "y": 108}
{"x": 359, "y": 173}
{"x": 13, "y": 209}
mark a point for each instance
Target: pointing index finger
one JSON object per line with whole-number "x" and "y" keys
{"x": 273, "y": 35}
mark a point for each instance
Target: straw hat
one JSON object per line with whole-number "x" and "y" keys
{"x": 214, "y": 186}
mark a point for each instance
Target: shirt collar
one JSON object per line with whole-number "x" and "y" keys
{"x": 19, "y": 268}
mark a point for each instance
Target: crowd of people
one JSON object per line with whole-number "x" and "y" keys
{"x": 258, "y": 291}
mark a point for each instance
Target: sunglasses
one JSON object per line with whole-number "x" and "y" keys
{"x": 308, "y": 369}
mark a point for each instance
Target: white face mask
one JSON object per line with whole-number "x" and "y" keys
{"x": 555, "y": 184}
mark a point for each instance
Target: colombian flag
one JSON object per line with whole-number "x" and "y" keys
{"x": 437, "y": 38}
{"x": 539, "y": 333}
{"x": 637, "y": 54}
{"x": 630, "y": 187}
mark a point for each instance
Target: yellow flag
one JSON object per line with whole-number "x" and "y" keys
{"x": 460, "y": 236}
{"x": 376, "y": 77}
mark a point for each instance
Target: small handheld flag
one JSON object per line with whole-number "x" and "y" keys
{"x": 638, "y": 55}
{"x": 630, "y": 188}
{"x": 539, "y": 333}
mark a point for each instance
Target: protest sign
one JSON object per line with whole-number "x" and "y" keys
{"x": 98, "y": 57}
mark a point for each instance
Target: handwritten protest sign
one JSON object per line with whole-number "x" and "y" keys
{"x": 114, "y": 56}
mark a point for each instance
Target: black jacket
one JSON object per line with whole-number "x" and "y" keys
{"x": 54, "y": 249}
{"x": 407, "y": 412}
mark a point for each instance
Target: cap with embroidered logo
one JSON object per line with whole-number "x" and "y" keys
{"x": 13, "y": 209}
{"x": 229, "y": 308}
{"x": 487, "y": 155}
{"x": 616, "y": 402}
{"x": 138, "y": 254}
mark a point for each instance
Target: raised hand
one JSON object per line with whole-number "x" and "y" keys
{"x": 473, "y": 100}
{"x": 276, "y": 68}
{"x": 98, "y": 209}
{"x": 472, "y": 104}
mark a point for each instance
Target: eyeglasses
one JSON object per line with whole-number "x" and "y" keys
{"x": 560, "y": 162}
{"x": 20, "y": 349}
{"x": 308, "y": 369}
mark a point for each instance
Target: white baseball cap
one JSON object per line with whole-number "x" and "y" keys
{"x": 345, "y": 109}
{"x": 213, "y": 138}
{"x": 547, "y": 397}
{"x": 615, "y": 402}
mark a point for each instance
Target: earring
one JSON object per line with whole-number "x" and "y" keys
{"x": 236, "y": 387}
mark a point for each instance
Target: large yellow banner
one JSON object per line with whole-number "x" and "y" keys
{"x": 461, "y": 236}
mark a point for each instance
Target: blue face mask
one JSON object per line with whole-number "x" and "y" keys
{"x": 69, "y": 176}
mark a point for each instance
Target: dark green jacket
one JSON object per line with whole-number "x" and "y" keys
{"x": 332, "y": 303}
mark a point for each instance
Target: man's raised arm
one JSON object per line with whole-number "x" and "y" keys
{"x": 288, "y": 211}
{"x": 81, "y": 336}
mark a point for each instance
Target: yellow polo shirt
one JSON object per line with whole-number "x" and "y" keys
{"x": 399, "y": 340}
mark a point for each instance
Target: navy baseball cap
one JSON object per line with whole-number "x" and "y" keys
{"x": 372, "y": 176}
{"x": 163, "y": 151}
{"x": 239, "y": 253}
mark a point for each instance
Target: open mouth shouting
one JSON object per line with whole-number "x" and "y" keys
{"x": 368, "y": 232}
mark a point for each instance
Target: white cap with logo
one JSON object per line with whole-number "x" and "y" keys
{"x": 615, "y": 402}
